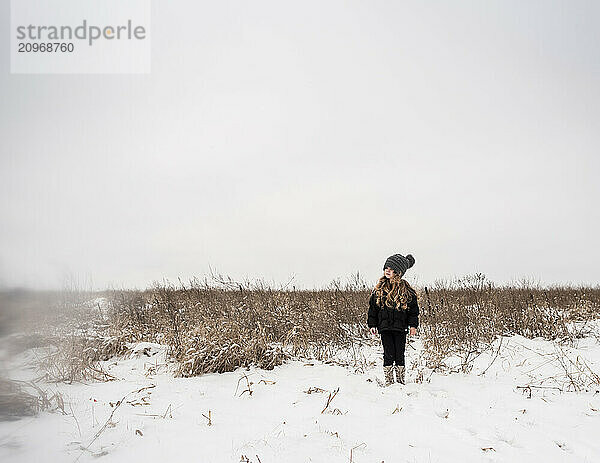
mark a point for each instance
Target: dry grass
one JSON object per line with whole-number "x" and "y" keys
{"x": 77, "y": 358}
{"x": 65, "y": 331}
{"x": 216, "y": 328}
{"x": 22, "y": 398}
{"x": 218, "y": 325}
{"x": 463, "y": 317}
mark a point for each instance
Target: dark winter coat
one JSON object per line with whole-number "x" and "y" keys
{"x": 386, "y": 318}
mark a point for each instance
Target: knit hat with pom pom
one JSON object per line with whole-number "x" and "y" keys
{"x": 399, "y": 264}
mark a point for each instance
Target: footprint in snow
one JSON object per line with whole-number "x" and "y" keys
{"x": 563, "y": 446}
{"x": 443, "y": 413}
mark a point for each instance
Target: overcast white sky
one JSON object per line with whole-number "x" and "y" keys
{"x": 313, "y": 139}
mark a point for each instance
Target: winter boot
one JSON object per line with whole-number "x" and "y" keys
{"x": 399, "y": 373}
{"x": 388, "y": 373}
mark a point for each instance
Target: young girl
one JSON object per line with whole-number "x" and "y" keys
{"x": 393, "y": 309}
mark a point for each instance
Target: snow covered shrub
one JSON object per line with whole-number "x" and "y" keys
{"x": 66, "y": 333}
{"x": 223, "y": 325}
{"x": 77, "y": 358}
{"x": 22, "y": 398}
{"x": 462, "y": 317}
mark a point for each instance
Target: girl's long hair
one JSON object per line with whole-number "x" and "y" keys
{"x": 396, "y": 290}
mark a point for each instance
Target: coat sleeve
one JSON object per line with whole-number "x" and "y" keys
{"x": 373, "y": 316}
{"x": 413, "y": 312}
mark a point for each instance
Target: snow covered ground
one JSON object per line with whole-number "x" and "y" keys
{"x": 278, "y": 416}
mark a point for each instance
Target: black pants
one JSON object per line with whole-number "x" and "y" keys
{"x": 394, "y": 343}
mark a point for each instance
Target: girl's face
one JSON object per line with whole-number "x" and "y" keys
{"x": 389, "y": 273}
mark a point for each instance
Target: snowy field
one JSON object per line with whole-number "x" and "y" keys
{"x": 283, "y": 415}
